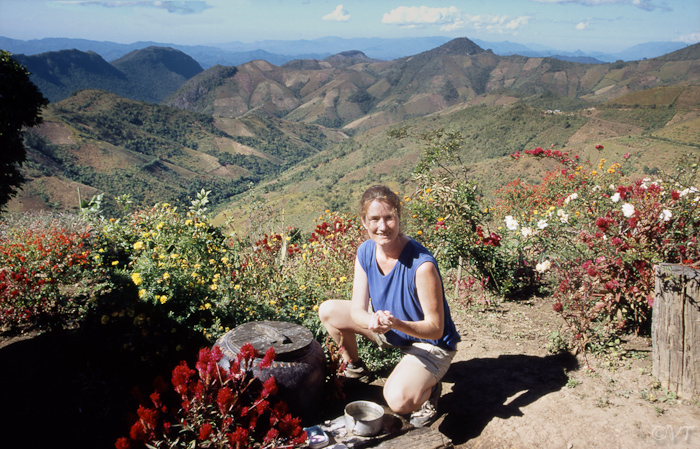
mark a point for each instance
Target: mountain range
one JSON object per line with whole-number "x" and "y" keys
{"x": 279, "y": 52}
{"x": 309, "y": 130}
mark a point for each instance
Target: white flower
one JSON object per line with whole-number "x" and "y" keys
{"x": 665, "y": 215}
{"x": 542, "y": 224}
{"x": 511, "y": 223}
{"x": 544, "y": 266}
{"x": 615, "y": 198}
{"x": 684, "y": 192}
{"x": 563, "y": 216}
{"x": 527, "y": 232}
{"x": 628, "y": 209}
{"x": 596, "y": 188}
{"x": 571, "y": 197}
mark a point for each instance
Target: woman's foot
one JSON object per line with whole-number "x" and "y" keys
{"x": 427, "y": 413}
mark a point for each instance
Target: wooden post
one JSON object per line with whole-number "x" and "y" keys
{"x": 675, "y": 329}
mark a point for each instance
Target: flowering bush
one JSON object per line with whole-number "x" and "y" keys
{"x": 216, "y": 408}
{"x": 598, "y": 235}
{"x": 41, "y": 268}
{"x": 449, "y": 216}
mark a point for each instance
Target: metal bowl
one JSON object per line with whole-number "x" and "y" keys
{"x": 363, "y": 418}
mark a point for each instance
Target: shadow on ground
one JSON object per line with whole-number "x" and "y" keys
{"x": 497, "y": 387}
{"x": 76, "y": 388}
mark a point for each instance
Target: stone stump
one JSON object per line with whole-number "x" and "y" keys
{"x": 675, "y": 329}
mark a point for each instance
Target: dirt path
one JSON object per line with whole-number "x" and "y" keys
{"x": 506, "y": 390}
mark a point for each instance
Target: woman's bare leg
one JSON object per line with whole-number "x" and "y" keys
{"x": 335, "y": 316}
{"x": 408, "y": 386}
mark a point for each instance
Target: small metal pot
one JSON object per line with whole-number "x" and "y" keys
{"x": 363, "y": 418}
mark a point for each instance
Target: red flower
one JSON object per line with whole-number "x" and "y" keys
{"x": 558, "y": 307}
{"x": 205, "y": 431}
{"x": 266, "y": 361}
{"x": 224, "y": 399}
{"x": 122, "y": 443}
{"x": 269, "y": 387}
{"x": 239, "y": 436}
{"x": 675, "y": 194}
{"x": 599, "y": 147}
{"x": 181, "y": 377}
{"x": 137, "y": 432}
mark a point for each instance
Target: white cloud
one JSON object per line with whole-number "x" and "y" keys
{"x": 338, "y": 15}
{"x": 182, "y": 7}
{"x": 692, "y": 38}
{"x": 452, "y": 18}
{"x": 582, "y": 26}
{"x": 647, "y": 5}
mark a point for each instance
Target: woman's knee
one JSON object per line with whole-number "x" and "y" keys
{"x": 326, "y": 310}
{"x": 398, "y": 401}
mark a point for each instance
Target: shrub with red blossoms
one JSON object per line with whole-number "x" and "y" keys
{"x": 216, "y": 408}
{"x": 602, "y": 234}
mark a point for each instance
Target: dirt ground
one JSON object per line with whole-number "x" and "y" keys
{"x": 504, "y": 390}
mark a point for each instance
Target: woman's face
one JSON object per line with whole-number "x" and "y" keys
{"x": 381, "y": 222}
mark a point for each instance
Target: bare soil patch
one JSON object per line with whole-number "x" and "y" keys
{"x": 505, "y": 389}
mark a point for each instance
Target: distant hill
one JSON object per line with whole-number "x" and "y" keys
{"x": 59, "y": 73}
{"x": 149, "y": 75}
{"x": 156, "y": 72}
{"x": 359, "y": 96}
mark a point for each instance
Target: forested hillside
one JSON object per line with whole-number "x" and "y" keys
{"x": 150, "y": 74}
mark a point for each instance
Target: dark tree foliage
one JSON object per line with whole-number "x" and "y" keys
{"x": 20, "y": 106}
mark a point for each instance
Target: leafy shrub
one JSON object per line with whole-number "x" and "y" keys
{"x": 596, "y": 236}
{"x": 43, "y": 264}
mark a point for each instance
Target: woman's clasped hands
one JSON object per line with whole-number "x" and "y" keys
{"x": 382, "y": 321}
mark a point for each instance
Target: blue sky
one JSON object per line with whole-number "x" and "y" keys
{"x": 589, "y": 25}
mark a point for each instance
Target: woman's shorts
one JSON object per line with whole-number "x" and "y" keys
{"x": 435, "y": 359}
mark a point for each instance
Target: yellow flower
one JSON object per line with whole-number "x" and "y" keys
{"x": 224, "y": 260}
{"x": 195, "y": 274}
{"x": 163, "y": 299}
{"x": 160, "y": 226}
{"x": 166, "y": 276}
{"x": 237, "y": 287}
{"x": 294, "y": 307}
{"x": 141, "y": 293}
{"x": 332, "y": 280}
{"x": 428, "y": 190}
{"x": 136, "y": 277}
{"x": 343, "y": 278}
{"x": 197, "y": 266}
{"x": 315, "y": 307}
{"x": 419, "y": 232}
{"x": 188, "y": 222}
{"x": 594, "y": 173}
{"x": 116, "y": 262}
{"x": 138, "y": 246}
{"x": 174, "y": 256}
{"x": 207, "y": 306}
{"x": 302, "y": 287}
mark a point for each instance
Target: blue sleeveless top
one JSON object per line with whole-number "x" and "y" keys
{"x": 396, "y": 291}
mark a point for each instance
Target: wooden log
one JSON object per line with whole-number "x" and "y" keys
{"x": 420, "y": 438}
{"x": 675, "y": 329}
